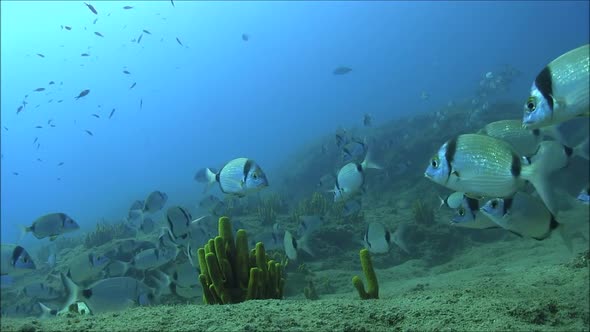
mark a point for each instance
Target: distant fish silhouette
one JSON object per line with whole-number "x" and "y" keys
{"x": 178, "y": 40}
{"x": 67, "y": 27}
{"x": 88, "y": 132}
{"x": 128, "y": 7}
{"x": 126, "y": 72}
{"x": 61, "y": 163}
{"x": 91, "y": 8}
{"x": 132, "y": 85}
{"x": 245, "y": 37}
{"x": 98, "y": 34}
{"x": 149, "y": 33}
{"x": 112, "y": 112}
{"x": 341, "y": 70}
{"x": 41, "y": 55}
{"x": 84, "y": 54}
{"x": 39, "y": 89}
{"x": 96, "y": 115}
{"x": 82, "y": 94}
{"x": 139, "y": 39}
{"x": 172, "y": 1}
{"x": 141, "y": 104}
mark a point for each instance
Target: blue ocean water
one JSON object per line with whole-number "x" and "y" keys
{"x": 218, "y": 97}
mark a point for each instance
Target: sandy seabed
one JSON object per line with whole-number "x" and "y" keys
{"x": 517, "y": 285}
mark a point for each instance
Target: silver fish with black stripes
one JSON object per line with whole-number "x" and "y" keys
{"x": 238, "y": 177}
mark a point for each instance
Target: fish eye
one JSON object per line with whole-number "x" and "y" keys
{"x": 531, "y": 105}
{"x": 434, "y": 162}
{"x": 494, "y": 204}
{"x": 461, "y": 212}
{"x": 255, "y": 176}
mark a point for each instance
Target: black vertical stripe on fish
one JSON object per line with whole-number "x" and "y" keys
{"x": 544, "y": 83}
{"x": 16, "y": 253}
{"x": 553, "y": 223}
{"x": 178, "y": 40}
{"x": 367, "y": 236}
{"x": 472, "y": 203}
{"x": 516, "y": 166}
{"x": 247, "y": 167}
{"x": 91, "y": 8}
{"x": 450, "y": 154}
{"x": 568, "y": 151}
{"x": 87, "y": 293}
{"x": 536, "y": 132}
{"x": 112, "y": 112}
{"x": 507, "y": 205}
{"x": 387, "y": 236}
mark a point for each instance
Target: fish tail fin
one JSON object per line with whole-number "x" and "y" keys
{"x": 442, "y": 202}
{"x": 303, "y": 243}
{"x": 23, "y": 231}
{"x": 538, "y": 174}
{"x": 369, "y": 163}
{"x": 46, "y": 312}
{"x": 206, "y": 175}
{"x": 399, "y": 238}
{"x": 582, "y": 150}
{"x": 72, "y": 291}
